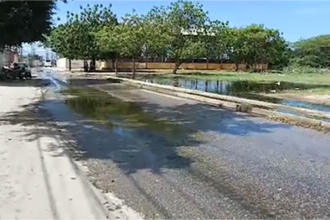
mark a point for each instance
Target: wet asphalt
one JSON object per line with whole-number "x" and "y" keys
{"x": 218, "y": 164}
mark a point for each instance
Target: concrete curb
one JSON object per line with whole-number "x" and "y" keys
{"x": 259, "y": 108}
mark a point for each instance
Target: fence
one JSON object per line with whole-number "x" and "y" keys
{"x": 127, "y": 66}
{"x": 186, "y": 66}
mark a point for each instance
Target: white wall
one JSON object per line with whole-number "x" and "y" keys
{"x": 63, "y": 63}
{"x": 2, "y": 59}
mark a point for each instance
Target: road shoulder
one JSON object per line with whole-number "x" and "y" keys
{"x": 40, "y": 179}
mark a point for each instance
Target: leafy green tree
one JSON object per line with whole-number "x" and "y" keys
{"x": 256, "y": 44}
{"x": 217, "y": 40}
{"x": 157, "y": 44}
{"x": 108, "y": 40}
{"x": 24, "y": 21}
{"x": 132, "y": 38}
{"x": 126, "y": 40}
{"x": 183, "y": 24}
{"x": 62, "y": 40}
{"x": 313, "y": 52}
{"x": 236, "y": 48}
{"x": 86, "y": 24}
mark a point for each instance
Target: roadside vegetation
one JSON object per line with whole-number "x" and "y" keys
{"x": 181, "y": 32}
{"x": 25, "y": 22}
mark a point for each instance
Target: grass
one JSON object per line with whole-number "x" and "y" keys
{"x": 316, "y": 91}
{"x": 312, "y": 79}
{"x": 303, "y": 75}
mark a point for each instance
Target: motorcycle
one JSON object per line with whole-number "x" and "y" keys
{"x": 12, "y": 73}
{"x": 15, "y": 72}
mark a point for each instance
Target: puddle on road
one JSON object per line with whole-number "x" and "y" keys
{"x": 243, "y": 89}
{"x": 116, "y": 113}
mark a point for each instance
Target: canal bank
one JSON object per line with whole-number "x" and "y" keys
{"x": 262, "y": 91}
{"x": 316, "y": 119}
{"x": 302, "y": 91}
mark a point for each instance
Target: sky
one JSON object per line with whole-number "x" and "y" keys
{"x": 295, "y": 19}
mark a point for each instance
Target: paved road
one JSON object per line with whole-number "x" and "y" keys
{"x": 216, "y": 164}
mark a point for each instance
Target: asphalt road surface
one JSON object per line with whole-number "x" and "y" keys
{"x": 216, "y": 164}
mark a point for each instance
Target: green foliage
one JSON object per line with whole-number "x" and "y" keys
{"x": 81, "y": 31}
{"x": 182, "y": 25}
{"x": 313, "y": 52}
{"x": 132, "y": 38}
{"x": 62, "y": 40}
{"x": 256, "y": 44}
{"x": 24, "y": 21}
{"x": 180, "y": 32}
{"x": 217, "y": 40}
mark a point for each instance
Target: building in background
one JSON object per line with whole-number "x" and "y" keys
{"x": 9, "y": 55}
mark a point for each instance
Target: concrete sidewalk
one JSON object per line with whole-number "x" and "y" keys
{"x": 38, "y": 180}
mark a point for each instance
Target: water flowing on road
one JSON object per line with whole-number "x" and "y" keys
{"x": 176, "y": 158}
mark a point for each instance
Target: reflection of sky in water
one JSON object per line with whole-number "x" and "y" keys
{"x": 224, "y": 87}
{"x": 208, "y": 86}
{"x": 57, "y": 81}
{"x": 302, "y": 104}
{"x": 120, "y": 131}
{"x": 287, "y": 111}
{"x": 201, "y": 85}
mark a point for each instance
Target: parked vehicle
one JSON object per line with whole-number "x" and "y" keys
{"x": 48, "y": 63}
{"x": 12, "y": 72}
{"x": 25, "y": 70}
{"x": 16, "y": 71}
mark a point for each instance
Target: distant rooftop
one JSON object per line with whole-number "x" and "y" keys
{"x": 195, "y": 32}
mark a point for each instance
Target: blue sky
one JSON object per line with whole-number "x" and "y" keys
{"x": 296, "y": 19}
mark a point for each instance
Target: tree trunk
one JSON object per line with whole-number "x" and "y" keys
{"x": 92, "y": 65}
{"x": 236, "y": 66}
{"x": 133, "y": 68}
{"x": 176, "y": 67}
{"x": 116, "y": 65}
{"x": 85, "y": 66}
{"x": 113, "y": 63}
{"x": 70, "y": 67}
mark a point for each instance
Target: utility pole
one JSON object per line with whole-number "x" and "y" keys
{"x": 47, "y": 54}
{"x": 31, "y": 57}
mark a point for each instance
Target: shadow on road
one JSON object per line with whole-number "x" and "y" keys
{"x": 148, "y": 142}
{"x": 151, "y": 137}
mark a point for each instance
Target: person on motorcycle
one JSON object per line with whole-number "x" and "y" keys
{"x": 15, "y": 66}
{"x": 17, "y": 71}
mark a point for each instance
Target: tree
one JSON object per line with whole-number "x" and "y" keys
{"x": 313, "y": 52}
{"x": 256, "y": 44}
{"x": 108, "y": 40}
{"x": 124, "y": 40}
{"x": 184, "y": 24}
{"x": 86, "y": 24}
{"x": 217, "y": 40}
{"x": 24, "y": 21}
{"x": 63, "y": 41}
{"x": 236, "y": 49}
{"x": 157, "y": 44}
{"x": 132, "y": 38}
